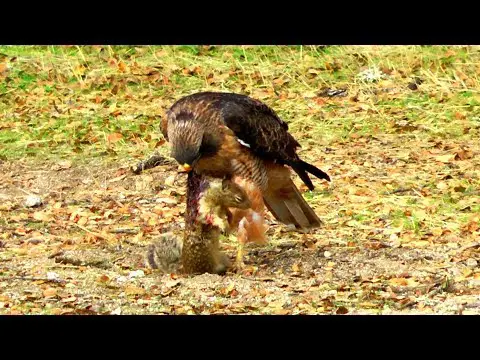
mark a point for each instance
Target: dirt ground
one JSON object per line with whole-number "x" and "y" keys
{"x": 81, "y": 252}
{"x": 395, "y": 127}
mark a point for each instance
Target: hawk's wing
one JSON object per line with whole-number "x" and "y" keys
{"x": 255, "y": 125}
{"x": 258, "y": 127}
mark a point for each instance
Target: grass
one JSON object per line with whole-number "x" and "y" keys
{"x": 62, "y": 100}
{"x": 403, "y": 160}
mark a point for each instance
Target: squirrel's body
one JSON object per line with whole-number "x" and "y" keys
{"x": 207, "y": 217}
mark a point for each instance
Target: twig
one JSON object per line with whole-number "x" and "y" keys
{"x": 93, "y": 232}
{"x": 266, "y": 279}
{"x": 119, "y": 258}
{"x": 124, "y": 231}
{"x": 150, "y": 163}
{"x": 58, "y": 281}
{"x": 397, "y": 191}
{"x": 466, "y": 247}
{"x": 63, "y": 266}
{"x": 24, "y": 191}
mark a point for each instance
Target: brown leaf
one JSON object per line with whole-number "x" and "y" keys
{"x": 450, "y": 53}
{"x": 121, "y": 66}
{"x": 170, "y": 180}
{"x": 296, "y": 267}
{"x": 471, "y": 226}
{"x": 62, "y": 165}
{"x": 80, "y": 70}
{"x": 82, "y": 221}
{"x": 49, "y": 292}
{"x": 398, "y": 282}
{"x": 342, "y": 310}
{"x": 103, "y": 278}
{"x": 114, "y": 137}
{"x": 168, "y": 201}
{"x": 134, "y": 290}
{"x": 69, "y": 299}
{"x": 3, "y": 67}
{"x": 419, "y": 243}
{"x": 463, "y": 154}
{"x": 375, "y": 245}
{"x": 41, "y": 216}
{"x": 158, "y": 209}
{"x": 445, "y": 158}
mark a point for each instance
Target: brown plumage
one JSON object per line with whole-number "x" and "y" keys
{"x": 249, "y": 224}
{"x": 228, "y": 135}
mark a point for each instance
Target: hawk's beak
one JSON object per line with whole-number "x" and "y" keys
{"x": 184, "y": 168}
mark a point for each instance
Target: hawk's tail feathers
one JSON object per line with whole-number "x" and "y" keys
{"x": 302, "y": 167}
{"x": 289, "y": 207}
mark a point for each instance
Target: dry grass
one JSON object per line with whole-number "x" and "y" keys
{"x": 401, "y": 147}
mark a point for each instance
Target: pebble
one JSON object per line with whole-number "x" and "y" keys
{"x": 135, "y": 274}
{"x": 122, "y": 279}
{"x": 33, "y": 201}
{"x": 472, "y": 262}
{"x": 52, "y": 275}
{"x": 117, "y": 311}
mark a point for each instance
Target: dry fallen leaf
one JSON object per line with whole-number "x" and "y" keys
{"x": 69, "y": 299}
{"x": 296, "y": 267}
{"x": 398, "y": 282}
{"x": 463, "y": 154}
{"x": 103, "y": 278}
{"x": 49, "y": 292}
{"x": 445, "y": 158}
{"x": 41, "y": 216}
{"x": 170, "y": 180}
{"x": 134, "y": 290}
{"x": 114, "y": 137}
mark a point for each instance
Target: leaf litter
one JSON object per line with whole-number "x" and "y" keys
{"x": 400, "y": 219}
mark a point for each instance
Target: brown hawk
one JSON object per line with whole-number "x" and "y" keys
{"x": 230, "y": 136}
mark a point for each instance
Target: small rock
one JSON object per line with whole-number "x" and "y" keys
{"x": 33, "y": 201}
{"x": 62, "y": 165}
{"x": 117, "y": 311}
{"x": 327, "y": 254}
{"x": 290, "y": 227}
{"x": 51, "y": 275}
{"x": 472, "y": 262}
{"x": 136, "y": 274}
{"x": 122, "y": 279}
{"x": 34, "y": 241}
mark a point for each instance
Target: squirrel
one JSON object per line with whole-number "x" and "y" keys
{"x": 207, "y": 216}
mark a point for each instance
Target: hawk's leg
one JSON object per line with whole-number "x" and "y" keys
{"x": 242, "y": 237}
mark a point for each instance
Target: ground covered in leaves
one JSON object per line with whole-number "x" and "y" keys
{"x": 396, "y": 128}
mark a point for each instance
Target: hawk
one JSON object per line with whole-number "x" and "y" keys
{"x": 233, "y": 136}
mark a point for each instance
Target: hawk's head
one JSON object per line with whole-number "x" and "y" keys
{"x": 190, "y": 140}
